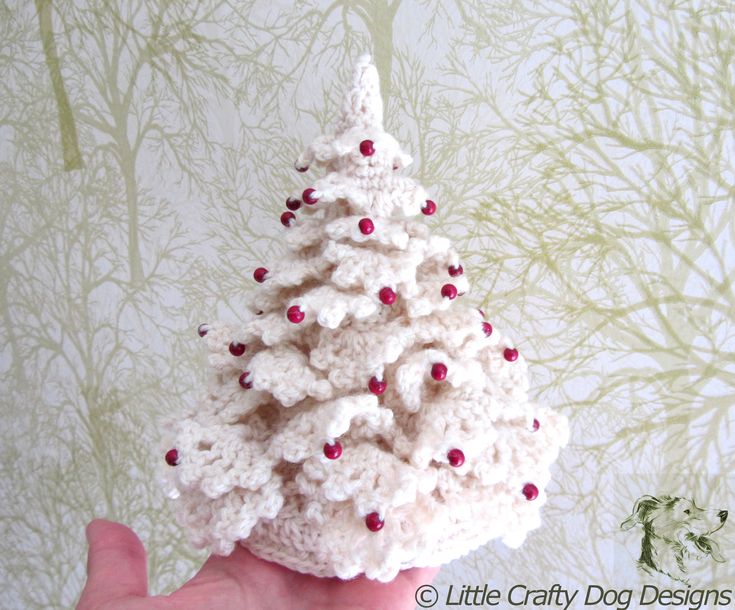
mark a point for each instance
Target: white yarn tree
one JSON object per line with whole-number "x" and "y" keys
{"x": 364, "y": 420}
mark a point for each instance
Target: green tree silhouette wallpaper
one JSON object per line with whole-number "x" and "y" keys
{"x": 582, "y": 155}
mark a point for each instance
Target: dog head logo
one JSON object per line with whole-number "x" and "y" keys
{"x": 676, "y": 532}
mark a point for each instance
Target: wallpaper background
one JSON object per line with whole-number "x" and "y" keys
{"x": 581, "y": 154}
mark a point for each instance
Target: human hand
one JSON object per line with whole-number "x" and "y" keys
{"x": 117, "y": 579}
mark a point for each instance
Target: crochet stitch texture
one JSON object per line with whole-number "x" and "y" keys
{"x": 251, "y": 462}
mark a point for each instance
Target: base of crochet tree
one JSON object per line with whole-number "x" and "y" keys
{"x": 431, "y": 531}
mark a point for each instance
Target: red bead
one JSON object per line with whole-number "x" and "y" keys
{"x": 367, "y": 148}
{"x": 366, "y": 226}
{"x": 374, "y": 522}
{"x": 333, "y": 451}
{"x": 293, "y": 204}
{"x": 377, "y": 387}
{"x": 536, "y": 425}
{"x": 487, "y": 328}
{"x": 510, "y": 354}
{"x": 301, "y": 169}
{"x": 449, "y": 291}
{"x": 243, "y": 382}
{"x": 387, "y": 296}
{"x": 455, "y": 271}
{"x": 259, "y": 274}
{"x": 482, "y": 313}
{"x": 259, "y": 312}
{"x": 203, "y": 329}
{"x": 237, "y": 349}
{"x": 395, "y": 167}
{"x": 429, "y": 208}
{"x": 530, "y": 491}
{"x": 287, "y": 218}
{"x": 172, "y": 457}
{"x": 295, "y": 314}
{"x": 455, "y": 457}
{"x": 308, "y": 196}
{"x": 439, "y": 371}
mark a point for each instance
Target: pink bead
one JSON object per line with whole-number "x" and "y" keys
{"x": 487, "y": 328}
{"x": 243, "y": 382}
{"x": 374, "y": 522}
{"x": 293, "y": 204}
{"x": 449, "y": 291}
{"x": 172, "y": 457}
{"x": 455, "y": 271}
{"x": 439, "y": 371}
{"x": 203, "y": 329}
{"x": 429, "y": 208}
{"x": 295, "y": 314}
{"x": 376, "y": 386}
{"x": 455, "y": 457}
{"x": 366, "y": 226}
{"x": 259, "y": 274}
{"x": 308, "y": 196}
{"x": 510, "y": 354}
{"x": 333, "y": 451}
{"x": 367, "y": 148}
{"x": 530, "y": 491}
{"x": 536, "y": 425}
{"x": 237, "y": 349}
{"x": 287, "y": 218}
{"x": 387, "y": 296}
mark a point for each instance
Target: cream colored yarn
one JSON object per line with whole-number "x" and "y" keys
{"x": 251, "y": 467}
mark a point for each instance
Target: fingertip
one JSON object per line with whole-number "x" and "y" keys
{"x": 92, "y": 530}
{"x": 116, "y": 560}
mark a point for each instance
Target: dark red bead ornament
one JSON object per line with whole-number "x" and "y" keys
{"x": 203, "y": 329}
{"x": 377, "y": 386}
{"x": 455, "y": 457}
{"x": 387, "y": 296}
{"x": 333, "y": 451}
{"x": 429, "y": 208}
{"x": 259, "y": 274}
{"x": 301, "y": 169}
{"x": 510, "y": 354}
{"x": 366, "y": 148}
{"x": 530, "y": 491}
{"x": 449, "y": 291}
{"x": 287, "y": 218}
{"x": 172, "y": 457}
{"x": 295, "y": 314}
{"x": 237, "y": 349}
{"x": 374, "y": 522}
{"x": 308, "y": 196}
{"x": 536, "y": 425}
{"x": 487, "y": 328}
{"x": 366, "y": 226}
{"x": 293, "y": 204}
{"x": 243, "y": 382}
{"x": 455, "y": 271}
{"x": 439, "y": 371}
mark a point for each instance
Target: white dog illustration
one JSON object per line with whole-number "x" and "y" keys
{"x": 675, "y": 532}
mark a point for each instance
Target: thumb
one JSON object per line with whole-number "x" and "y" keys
{"x": 116, "y": 564}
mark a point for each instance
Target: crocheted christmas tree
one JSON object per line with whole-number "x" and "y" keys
{"x": 364, "y": 419}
